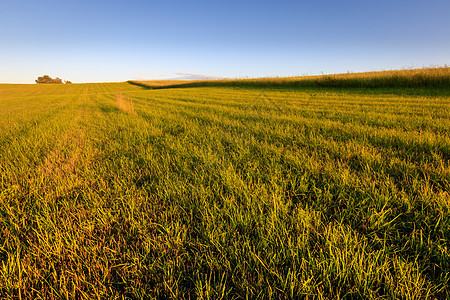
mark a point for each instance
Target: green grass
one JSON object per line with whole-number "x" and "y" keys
{"x": 118, "y": 191}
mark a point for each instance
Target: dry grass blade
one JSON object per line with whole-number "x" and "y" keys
{"x": 125, "y": 103}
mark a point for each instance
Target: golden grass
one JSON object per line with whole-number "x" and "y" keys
{"x": 124, "y": 103}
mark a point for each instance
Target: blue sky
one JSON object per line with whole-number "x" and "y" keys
{"x": 98, "y": 41}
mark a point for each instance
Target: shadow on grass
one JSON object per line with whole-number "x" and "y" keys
{"x": 145, "y": 87}
{"x": 409, "y": 91}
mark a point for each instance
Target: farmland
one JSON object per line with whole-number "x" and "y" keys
{"x": 233, "y": 189}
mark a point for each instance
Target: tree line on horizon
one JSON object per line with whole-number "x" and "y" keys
{"x": 48, "y": 79}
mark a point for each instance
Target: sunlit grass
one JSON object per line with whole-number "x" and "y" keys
{"x": 115, "y": 190}
{"x": 438, "y": 77}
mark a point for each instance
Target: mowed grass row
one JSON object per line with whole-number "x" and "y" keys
{"x": 113, "y": 191}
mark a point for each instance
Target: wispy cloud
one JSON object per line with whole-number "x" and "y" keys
{"x": 192, "y": 76}
{"x": 174, "y": 76}
{"x": 140, "y": 78}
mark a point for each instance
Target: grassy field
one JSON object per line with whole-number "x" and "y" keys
{"x": 118, "y": 190}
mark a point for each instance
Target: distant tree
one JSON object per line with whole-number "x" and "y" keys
{"x": 48, "y": 79}
{"x": 44, "y": 79}
{"x": 67, "y": 82}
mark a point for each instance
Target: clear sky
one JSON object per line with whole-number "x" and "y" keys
{"x": 97, "y": 40}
